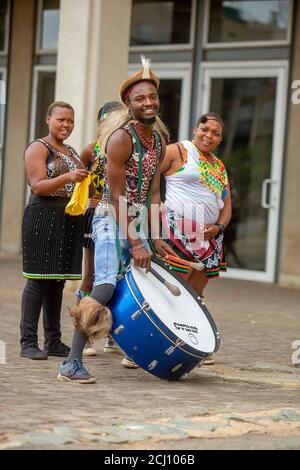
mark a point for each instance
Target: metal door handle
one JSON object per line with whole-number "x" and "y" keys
{"x": 264, "y": 192}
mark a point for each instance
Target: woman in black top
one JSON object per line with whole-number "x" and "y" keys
{"x": 51, "y": 239}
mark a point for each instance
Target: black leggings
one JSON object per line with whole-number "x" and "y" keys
{"x": 37, "y": 294}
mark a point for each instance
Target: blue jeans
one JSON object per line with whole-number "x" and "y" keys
{"x": 106, "y": 259}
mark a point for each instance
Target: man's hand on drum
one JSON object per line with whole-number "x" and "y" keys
{"x": 162, "y": 248}
{"x": 142, "y": 258}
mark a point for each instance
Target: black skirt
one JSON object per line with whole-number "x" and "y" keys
{"x": 51, "y": 240}
{"x": 87, "y": 230}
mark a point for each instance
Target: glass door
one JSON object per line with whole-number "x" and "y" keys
{"x": 251, "y": 100}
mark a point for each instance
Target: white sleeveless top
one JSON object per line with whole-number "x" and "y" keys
{"x": 185, "y": 194}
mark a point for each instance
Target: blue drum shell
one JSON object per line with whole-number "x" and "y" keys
{"x": 145, "y": 339}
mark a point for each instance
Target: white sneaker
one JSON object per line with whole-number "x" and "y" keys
{"x": 209, "y": 361}
{"x": 111, "y": 346}
{"x": 89, "y": 349}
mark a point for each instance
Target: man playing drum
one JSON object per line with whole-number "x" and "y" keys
{"x": 135, "y": 147}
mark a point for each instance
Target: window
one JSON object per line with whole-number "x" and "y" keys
{"x": 48, "y": 25}
{"x": 2, "y": 102}
{"x": 248, "y": 21}
{"x": 2, "y": 114}
{"x": 43, "y": 96}
{"x": 161, "y": 23}
{"x": 4, "y": 12}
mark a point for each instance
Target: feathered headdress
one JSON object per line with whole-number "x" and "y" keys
{"x": 145, "y": 73}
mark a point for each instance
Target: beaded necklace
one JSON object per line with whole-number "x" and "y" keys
{"x": 212, "y": 173}
{"x": 148, "y": 144}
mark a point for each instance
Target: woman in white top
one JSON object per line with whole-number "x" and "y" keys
{"x": 198, "y": 203}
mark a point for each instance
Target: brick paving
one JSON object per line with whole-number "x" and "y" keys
{"x": 249, "y": 399}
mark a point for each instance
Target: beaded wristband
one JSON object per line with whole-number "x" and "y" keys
{"x": 136, "y": 247}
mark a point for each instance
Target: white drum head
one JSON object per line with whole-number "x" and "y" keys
{"x": 182, "y": 314}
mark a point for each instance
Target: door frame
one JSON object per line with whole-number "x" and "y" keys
{"x": 251, "y": 69}
{"x": 174, "y": 71}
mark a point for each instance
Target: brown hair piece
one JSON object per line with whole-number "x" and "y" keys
{"x": 91, "y": 318}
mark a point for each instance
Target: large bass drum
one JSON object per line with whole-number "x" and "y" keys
{"x": 164, "y": 334}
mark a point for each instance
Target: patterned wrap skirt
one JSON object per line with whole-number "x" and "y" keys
{"x": 51, "y": 240}
{"x": 212, "y": 257}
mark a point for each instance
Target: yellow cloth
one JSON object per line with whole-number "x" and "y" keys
{"x": 79, "y": 200}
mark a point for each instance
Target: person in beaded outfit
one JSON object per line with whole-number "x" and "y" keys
{"x": 94, "y": 159}
{"x": 135, "y": 147}
{"x": 51, "y": 239}
{"x": 195, "y": 178}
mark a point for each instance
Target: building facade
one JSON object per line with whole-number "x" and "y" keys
{"x": 240, "y": 59}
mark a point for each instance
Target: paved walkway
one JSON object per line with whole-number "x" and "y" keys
{"x": 249, "y": 399}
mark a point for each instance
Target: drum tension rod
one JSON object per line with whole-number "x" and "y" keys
{"x": 144, "y": 308}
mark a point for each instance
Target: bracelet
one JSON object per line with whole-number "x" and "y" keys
{"x": 221, "y": 228}
{"x": 136, "y": 247}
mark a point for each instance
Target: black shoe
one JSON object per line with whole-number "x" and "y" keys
{"x": 34, "y": 352}
{"x": 59, "y": 350}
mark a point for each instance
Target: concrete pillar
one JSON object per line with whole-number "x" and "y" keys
{"x": 289, "y": 272}
{"x": 92, "y": 59}
{"x": 17, "y": 122}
